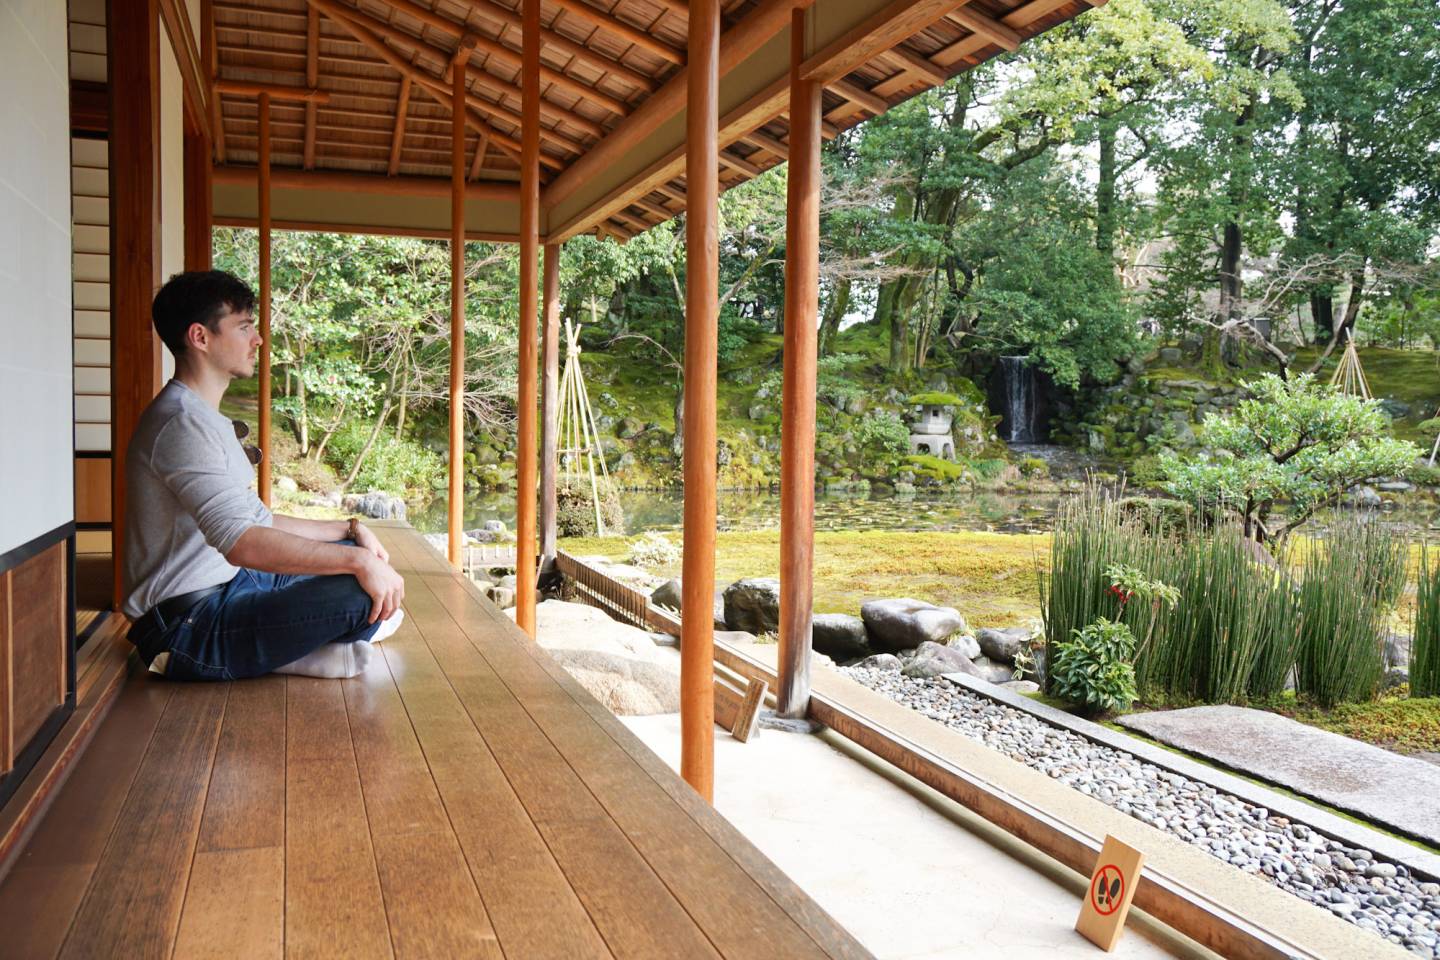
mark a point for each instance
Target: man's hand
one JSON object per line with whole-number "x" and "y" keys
{"x": 366, "y": 539}
{"x": 385, "y": 587}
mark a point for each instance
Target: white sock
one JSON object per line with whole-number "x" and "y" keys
{"x": 388, "y": 627}
{"x": 332, "y": 661}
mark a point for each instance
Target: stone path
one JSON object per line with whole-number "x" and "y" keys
{"x": 1399, "y": 792}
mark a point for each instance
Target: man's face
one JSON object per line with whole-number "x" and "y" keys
{"x": 234, "y": 347}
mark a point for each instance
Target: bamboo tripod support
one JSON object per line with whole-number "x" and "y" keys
{"x": 579, "y": 438}
{"x": 1349, "y": 375}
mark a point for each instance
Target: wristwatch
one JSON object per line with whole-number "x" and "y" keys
{"x": 353, "y": 531}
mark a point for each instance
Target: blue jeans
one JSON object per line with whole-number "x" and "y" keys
{"x": 259, "y": 622}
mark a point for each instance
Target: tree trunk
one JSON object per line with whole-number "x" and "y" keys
{"x": 1105, "y": 189}
{"x": 365, "y": 450}
{"x": 1322, "y": 316}
{"x": 834, "y": 312}
{"x": 677, "y": 443}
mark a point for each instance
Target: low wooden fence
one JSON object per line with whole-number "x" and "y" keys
{"x": 621, "y": 601}
{"x": 488, "y": 555}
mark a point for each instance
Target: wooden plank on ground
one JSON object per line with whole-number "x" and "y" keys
{"x": 531, "y": 905}
{"x": 431, "y": 901}
{"x": 333, "y": 904}
{"x": 39, "y": 897}
{"x": 234, "y": 905}
{"x": 132, "y": 906}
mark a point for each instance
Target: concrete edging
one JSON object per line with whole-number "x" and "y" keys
{"x": 1422, "y": 865}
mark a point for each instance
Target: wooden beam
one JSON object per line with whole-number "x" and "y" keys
{"x": 397, "y": 136}
{"x": 767, "y": 143}
{"x": 455, "y": 471}
{"x": 525, "y": 466}
{"x": 859, "y": 95}
{"x": 702, "y": 176}
{"x": 917, "y": 66}
{"x": 988, "y": 27}
{"x": 401, "y": 186}
{"x": 550, "y": 400}
{"x": 211, "y": 54}
{"x": 274, "y": 91}
{"x": 503, "y": 53}
{"x": 797, "y": 431}
{"x": 482, "y": 147}
{"x": 195, "y": 88}
{"x": 312, "y": 75}
{"x": 619, "y": 28}
{"x": 740, "y": 41}
{"x": 877, "y": 34}
{"x": 199, "y": 199}
{"x": 566, "y": 46}
{"x": 133, "y": 39}
{"x": 739, "y": 163}
{"x": 263, "y": 470}
{"x": 964, "y": 49}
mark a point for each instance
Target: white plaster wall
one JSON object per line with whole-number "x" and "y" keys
{"x": 172, "y": 173}
{"x": 36, "y": 398}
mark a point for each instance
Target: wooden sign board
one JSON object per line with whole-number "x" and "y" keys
{"x": 1107, "y": 900}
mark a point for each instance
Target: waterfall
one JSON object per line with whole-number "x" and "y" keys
{"x": 1020, "y": 406}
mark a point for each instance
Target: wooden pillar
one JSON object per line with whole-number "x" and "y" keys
{"x": 135, "y": 266}
{"x": 455, "y": 509}
{"x": 702, "y": 175}
{"x": 263, "y": 162}
{"x": 797, "y": 432}
{"x": 199, "y": 198}
{"x": 550, "y": 399}
{"x": 525, "y": 480}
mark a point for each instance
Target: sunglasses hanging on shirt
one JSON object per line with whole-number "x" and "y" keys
{"x": 242, "y": 430}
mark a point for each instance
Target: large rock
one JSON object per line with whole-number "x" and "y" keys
{"x": 840, "y": 636}
{"x": 880, "y": 661}
{"x": 936, "y": 659}
{"x": 626, "y": 686}
{"x": 376, "y": 505}
{"x": 1003, "y": 643}
{"x": 667, "y": 595}
{"x": 987, "y": 669}
{"x": 904, "y": 624}
{"x": 753, "y": 605}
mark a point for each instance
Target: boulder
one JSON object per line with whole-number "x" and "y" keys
{"x": 1002, "y": 643}
{"x": 753, "y": 605}
{"x": 936, "y": 659}
{"x": 904, "y": 623}
{"x": 839, "y": 635}
{"x": 880, "y": 661}
{"x": 987, "y": 669}
{"x": 965, "y": 643}
{"x": 504, "y": 597}
{"x": 375, "y": 504}
{"x": 493, "y": 526}
{"x": 667, "y": 595}
{"x": 286, "y": 484}
{"x": 626, "y": 686}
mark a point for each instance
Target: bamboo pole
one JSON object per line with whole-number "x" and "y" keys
{"x": 550, "y": 413}
{"x": 263, "y": 162}
{"x": 455, "y": 507}
{"x": 529, "y": 250}
{"x": 702, "y": 176}
{"x": 797, "y": 434}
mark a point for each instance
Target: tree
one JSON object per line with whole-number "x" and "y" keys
{"x": 1296, "y": 442}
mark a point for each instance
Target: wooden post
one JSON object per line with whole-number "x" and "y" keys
{"x": 199, "y": 198}
{"x": 134, "y": 85}
{"x": 455, "y": 508}
{"x": 702, "y": 175}
{"x": 525, "y": 480}
{"x": 263, "y": 484}
{"x": 797, "y": 432}
{"x": 550, "y": 400}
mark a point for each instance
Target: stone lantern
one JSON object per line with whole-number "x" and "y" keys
{"x": 930, "y": 431}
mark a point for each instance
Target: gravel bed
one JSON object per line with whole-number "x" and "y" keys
{"x": 1351, "y": 883}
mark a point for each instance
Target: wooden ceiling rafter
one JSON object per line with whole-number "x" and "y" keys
{"x": 552, "y": 38}
{"x": 619, "y": 28}
{"x": 312, "y": 75}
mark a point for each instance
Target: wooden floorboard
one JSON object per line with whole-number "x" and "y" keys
{"x": 462, "y": 798}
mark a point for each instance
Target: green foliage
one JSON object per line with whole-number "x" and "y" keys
{"x": 575, "y": 508}
{"x": 1093, "y": 668}
{"x": 1034, "y": 467}
{"x": 882, "y": 434}
{"x": 1425, "y": 637}
{"x": 398, "y": 466}
{"x": 1298, "y": 441}
{"x": 935, "y": 398}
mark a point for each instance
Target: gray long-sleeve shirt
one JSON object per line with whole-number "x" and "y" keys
{"x": 188, "y": 499}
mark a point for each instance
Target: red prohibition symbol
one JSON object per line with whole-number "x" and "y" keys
{"x": 1107, "y": 890}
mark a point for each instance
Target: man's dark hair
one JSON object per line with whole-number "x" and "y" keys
{"x": 198, "y": 296}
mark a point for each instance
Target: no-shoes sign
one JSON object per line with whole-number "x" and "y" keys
{"x": 1112, "y": 887}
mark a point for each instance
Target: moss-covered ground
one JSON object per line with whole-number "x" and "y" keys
{"x": 989, "y": 577}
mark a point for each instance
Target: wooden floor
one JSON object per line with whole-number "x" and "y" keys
{"x": 464, "y": 798}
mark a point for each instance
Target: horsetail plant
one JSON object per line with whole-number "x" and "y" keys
{"x": 1425, "y": 642}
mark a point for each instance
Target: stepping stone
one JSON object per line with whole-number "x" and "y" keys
{"x": 1401, "y": 793}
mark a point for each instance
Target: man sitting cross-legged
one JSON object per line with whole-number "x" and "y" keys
{"x": 218, "y": 587}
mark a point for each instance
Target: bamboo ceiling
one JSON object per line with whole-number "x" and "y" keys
{"x": 385, "y": 66}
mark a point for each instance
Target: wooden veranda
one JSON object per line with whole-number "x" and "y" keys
{"x": 462, "y": 119}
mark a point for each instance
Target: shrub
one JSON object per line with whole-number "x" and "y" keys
{"x": 575, "y": 508}
{"x": 654, "y": 549}
{"x": 1157, "y": 515}
{"x": 883, "y": 434}
{"x": 1093, "y": 668}
{"x": 989, "y": 469}
{"x": 395, "y": 465}
{"x": 1034, "y": 467}
{"x": 1425, "y": 642}
{"x": 1147, "y": 471}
